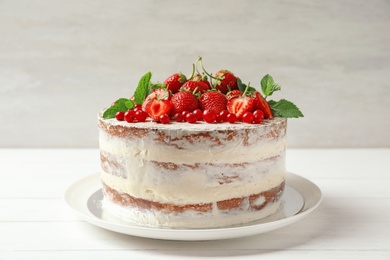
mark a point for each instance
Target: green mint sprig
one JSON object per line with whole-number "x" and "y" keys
{"x": 283, "y": 107}
{"x": 142, "y": 90}
{"x": 122, "y": 104}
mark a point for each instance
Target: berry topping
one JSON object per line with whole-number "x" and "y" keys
{"x": 191, "y": 118}
{"x": 120, "y": 115}
{"x": 199, "y": 114}
{"x": 222, "y": 117}
{"x": 184, "y": 101}
{"x": 231, "y": 118}
{"x": 213, "y": 101}
{"x": 261, "y": 104}
{"x": 175, "y": 81}
{"x": 233, "y": 94}
{"x": 129, "y": 116}
{"x": 178, "y": 117}
{"x": 240, "y": 105}
{"x": 140, "y": 115}
{"x": 209, "y": 116}
{"x": 155, "y": 108}
{"x": 225, "y": 81}
{"x": 258, "y": 117}
{"x": 164, "y": 119}
{"x": 195, "y": 86}
{"x": 247, "y": 117}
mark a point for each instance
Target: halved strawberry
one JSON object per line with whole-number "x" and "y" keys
{"x": 214, "y": 101}
{"x": 184, "y": 101}
{"x": 262, "y": 104}
{"x": 191, "y": 85}
{"x": 155, "y": 108}
{"x": 233, "y": 94}
{"x": 240, "y": 105}
{"x": 175, "y": 81}
{"x": 225, "y": 81}
{"x": 160, "y": 94}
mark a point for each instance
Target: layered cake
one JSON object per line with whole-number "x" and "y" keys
{"x": 208, "y": 158}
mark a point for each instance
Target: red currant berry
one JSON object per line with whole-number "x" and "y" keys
{"x": 140, "y": 115}
{"x": 231, "y": 118}
{"x": 223, "y": 115}
{"x": 129, "y": 116}
{"x": 209, "y": 116}
{"x": 258, "y": 117}
{"x": 184, "y": 113}
{"x": 137, "y": 106}
{"x": 178, "y": 117}
{"x": 191, "y": 118}
{"x": 120, "y": 116}
{"x": 198, "y": 114}
{"x": 164, "y": 119}
{"x": 247, "y": 117}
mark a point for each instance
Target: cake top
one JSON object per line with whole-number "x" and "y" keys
{"x": 201, "y": 98}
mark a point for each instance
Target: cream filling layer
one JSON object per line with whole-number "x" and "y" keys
{"x": 199, "y": 153}
{"x": 191, "y": 187}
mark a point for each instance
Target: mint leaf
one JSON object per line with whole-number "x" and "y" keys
{"x": 129, "y": 104}
{"x": 285, "y": 108}
{"x": 142, "y": 89}
{"x": 268, "y": 85}
{"x": 240, "y": 85}
{"x": 120, "y": 105}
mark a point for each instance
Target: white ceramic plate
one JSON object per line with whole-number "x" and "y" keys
{"x": 301, "y": 197}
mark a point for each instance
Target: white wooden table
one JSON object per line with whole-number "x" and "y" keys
{"x": 353, "y": 221}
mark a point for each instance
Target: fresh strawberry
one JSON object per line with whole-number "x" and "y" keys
{"x": 198, "y": 77}
{"x": 240, "y": 105}
{"x": 155, "y": 108}
{"x": 214, "y": 101}
{"x": 159, "y": 94}
{"x": 184, "y": 101}
{"x": 225, "y": 81}
{"x": 175, "y": 81}
{"x": 262, "y": 104}
{"x": 233, "y": 94}
{"x": 191, "y": 85}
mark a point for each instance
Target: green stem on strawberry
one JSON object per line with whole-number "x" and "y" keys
{"x": 246, "y": 89}
{"x": 193, "y": 72}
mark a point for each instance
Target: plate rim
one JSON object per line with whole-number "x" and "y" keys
{"x": 303, "y": 186}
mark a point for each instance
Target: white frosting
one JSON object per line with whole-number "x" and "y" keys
{"x": 188, "y": 219}
{"x": 169, "y": 164}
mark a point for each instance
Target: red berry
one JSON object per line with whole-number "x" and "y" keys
{"x": 129, "y": 116}
{"x": 120, "y": 115}
{"x": 223, "y": 115}
{"x": 247, "y": 117}
{"x": 258, "y": 117}
{"x": 225, "y": 81}
{"x": 191, "y": 85}
{"x": 240, "y": 105}
{"x": 184, "y": 100}
{"x": 175, "y": 81}
{"x": 199, "y": 114}
{"x": 137, "y": 106}
{"x": 213, "y": 101}
{"x": 209, "y": 116}
{"x": 164, "y": 119}
{"x": 231, "y": 118}
{"x": 184, "y": 113}
{"x": 178, "y": 117}
{"x": 262, "y": 104}
{"x": 191, "y": 118}
{"x": 140, "y": 116}
{"x": 233, "y": 94}
{"x": 157, "y": 103}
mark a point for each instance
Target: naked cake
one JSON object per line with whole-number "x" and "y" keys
{"x": 199, "y": 152}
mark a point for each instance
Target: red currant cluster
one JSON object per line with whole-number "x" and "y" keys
{"x": 132, "y": 115}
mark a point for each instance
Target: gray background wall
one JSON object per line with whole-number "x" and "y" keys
{"x": 62, "y": 61}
